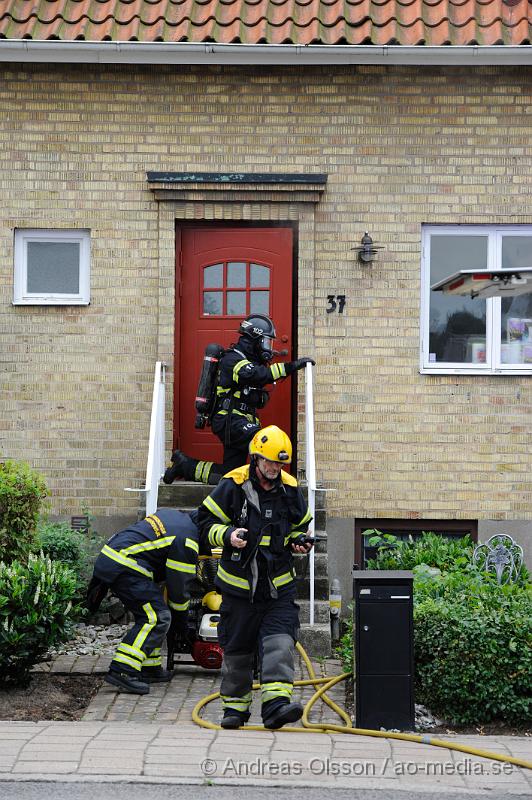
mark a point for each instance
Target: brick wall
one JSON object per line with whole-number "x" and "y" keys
{"x": 401, "y": 146}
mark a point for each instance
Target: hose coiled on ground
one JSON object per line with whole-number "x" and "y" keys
{"x": 313, "y": 727}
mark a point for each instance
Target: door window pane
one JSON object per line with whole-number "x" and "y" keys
{"x": 236, "y": 304}
{"x": 259, "y": 276}
{"x": 236, "y": 274}
{"x": 457, "y": 327}
{"x": 213, "y": 303}
{"x": 213, "y": 276}
{"x": 259, "y": 303}
{"x": 53, "y": 267}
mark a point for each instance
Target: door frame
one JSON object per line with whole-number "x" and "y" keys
{"x": 180, "y": 227}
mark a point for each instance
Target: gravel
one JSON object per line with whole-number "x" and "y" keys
{"x": 90, "y": 640}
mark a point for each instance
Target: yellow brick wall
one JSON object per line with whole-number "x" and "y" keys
{"x": 401, "y": 146}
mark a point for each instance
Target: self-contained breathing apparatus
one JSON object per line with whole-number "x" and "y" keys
{"x": 206, "y": 394}
{"x": 251, "y": 399}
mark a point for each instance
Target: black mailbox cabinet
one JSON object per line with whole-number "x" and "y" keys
{"x": 383, "y": 649}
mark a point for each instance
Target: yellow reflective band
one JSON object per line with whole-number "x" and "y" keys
{"x": 142, "y": 547}
{"x": 179, "y": 606}
{"x": 278, "y": 371}
{"x": 238, "y": 367}
{"x": 132, "y": 651}
{"x": 180, "y": 566}
{"x": 192, "y": 544}
{"x": 273, "y": 693}
{"x": 265, "y": 540}
{"x": 280, "y": 580}
{"x": 251, "y": 417}
{"x": 274, "y": 685}
{"x": 201, "y": 473}
{"x": 216, "y": 534}
{"x": 215, "y": 509}
{"x": 156, "y": 524}
{"x": 306, "y": 518}
{"x": 220, "y": 390}
{"x": 147, "y": 627}
{"x": 126, "y": 660}
{"x": 232, "y": 580}
{"x": 155, "y": 652}
{"x": 126, "y": 562}
{"x": 153, "y": 662}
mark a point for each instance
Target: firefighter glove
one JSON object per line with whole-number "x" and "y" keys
{"x": 293, "y": 366}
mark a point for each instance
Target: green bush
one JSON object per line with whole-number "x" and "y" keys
{"x": 60, "y": 542}
{"x": 473, "y": 643}
{"x": 35, "y": 611}
{"x": 427, "y": 548}
{"x": 22, "y": 491}
{"x": 472, "y": 637}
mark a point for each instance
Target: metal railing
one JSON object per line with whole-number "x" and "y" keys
{"x": 310, "y": 465}
{"x": 156, "y": 445}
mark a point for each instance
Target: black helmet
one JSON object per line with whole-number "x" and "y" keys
{"x": 261, "y": 331}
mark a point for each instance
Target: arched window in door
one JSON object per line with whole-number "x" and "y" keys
{"x": 236, "y": 289}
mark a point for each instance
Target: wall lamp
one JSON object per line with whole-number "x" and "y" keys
{"x": 367, "y": 250}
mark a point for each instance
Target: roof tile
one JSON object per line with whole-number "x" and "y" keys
{"x": 378, "y": 22}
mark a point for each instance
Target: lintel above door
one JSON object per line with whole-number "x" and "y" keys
{"x": 295, "y": 187}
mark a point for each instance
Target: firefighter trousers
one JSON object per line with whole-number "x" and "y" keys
{"x": 270, "y": 627}
{"x": 242, "y": 429}
{"x": 141, "y": 646}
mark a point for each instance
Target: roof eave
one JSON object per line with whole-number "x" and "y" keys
{"x": 80, "y": 52}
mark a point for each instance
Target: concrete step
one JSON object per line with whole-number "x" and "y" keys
{"x": 189, "y": 495}
{"x": 321, "y": 611}
{"x": 321, "y": 589}
{"x": 302, "y": 566}
{"x": 316, "y": 640}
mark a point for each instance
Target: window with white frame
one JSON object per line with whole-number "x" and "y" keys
{"x": 52, "y": 267}
{"x": 475, "y": 335}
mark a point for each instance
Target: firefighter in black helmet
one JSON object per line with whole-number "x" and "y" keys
{"x": 244, "y": 371}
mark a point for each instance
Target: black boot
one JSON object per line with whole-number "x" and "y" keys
{"x": 157, "y": 674}
{"x": 233, "y": 719}
{"x": 126, "y": 682}
{"x": 180, "y": 467}
{"x": 289, "y": 712}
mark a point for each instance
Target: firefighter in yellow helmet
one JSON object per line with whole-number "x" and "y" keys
{"x": 259, "y": 516}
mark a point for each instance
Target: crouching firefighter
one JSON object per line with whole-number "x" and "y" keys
{"x": 162, "y": 547}
{"x": 259, "y": 516}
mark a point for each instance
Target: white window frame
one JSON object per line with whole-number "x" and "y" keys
{"x": 493, "y": 366}
{"x": 21, "y": 296}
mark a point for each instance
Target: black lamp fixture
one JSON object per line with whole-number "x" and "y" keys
{"x": 367, "y": 250}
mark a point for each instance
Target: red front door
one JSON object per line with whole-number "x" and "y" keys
{"x": 224, "y": 274}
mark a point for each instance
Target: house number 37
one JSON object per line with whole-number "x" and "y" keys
{"x": 335, "y": 302}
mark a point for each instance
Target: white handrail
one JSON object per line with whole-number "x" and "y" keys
{"x": 310, "y": 472}
{"x": 156, "y": 443}
{"x": 155, "y": 465}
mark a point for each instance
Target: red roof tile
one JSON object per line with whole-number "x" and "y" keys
{"x": 378, "y": 22}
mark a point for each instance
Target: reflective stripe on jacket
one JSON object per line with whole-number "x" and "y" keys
{"x": 273, "y": 519}
{"x": 162, "y": 547}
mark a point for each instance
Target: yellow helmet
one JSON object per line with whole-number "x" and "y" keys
{"x": 273, "y": 444}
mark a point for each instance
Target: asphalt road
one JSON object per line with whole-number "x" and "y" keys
{"x": 66, "y": 790}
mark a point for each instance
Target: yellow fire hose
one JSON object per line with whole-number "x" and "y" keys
{"x": 326, "y": 727}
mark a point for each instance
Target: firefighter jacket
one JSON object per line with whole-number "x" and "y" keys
{"x": 162, "y": 547}
{"x": 274, "y": 519}
{"x": 241, "y": 379}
